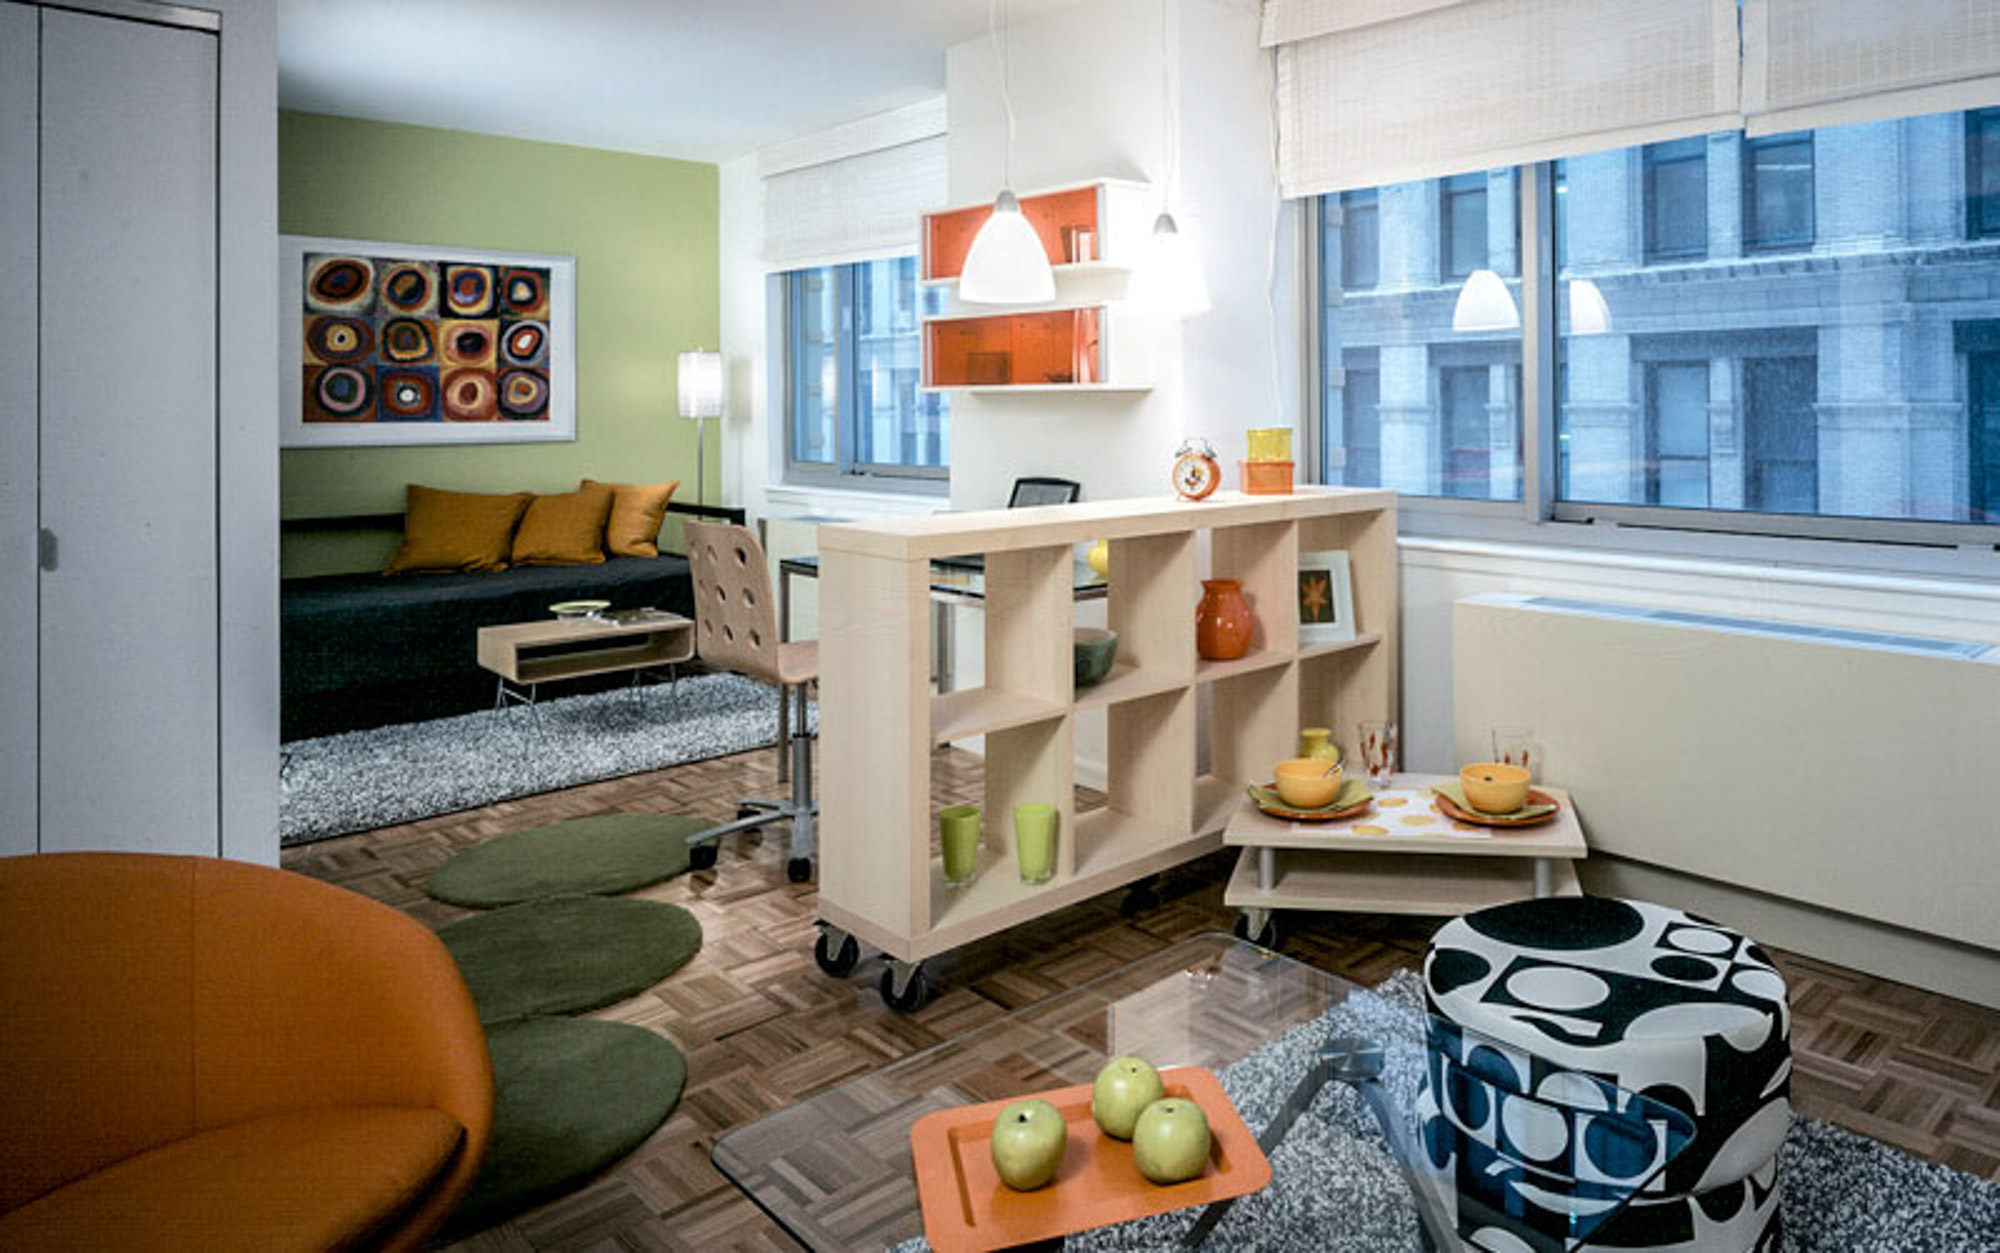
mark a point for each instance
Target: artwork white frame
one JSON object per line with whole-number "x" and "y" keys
{"x": 296, "y": 432}
{"x": 1339, "y": 573}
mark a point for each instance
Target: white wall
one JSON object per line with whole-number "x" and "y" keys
{"x": 1083, "y": 114}
{"x": 247, "y": 447}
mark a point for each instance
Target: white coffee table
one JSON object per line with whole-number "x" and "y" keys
{"x": 1402, "y": 857}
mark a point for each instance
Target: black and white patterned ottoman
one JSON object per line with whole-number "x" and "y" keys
{"x": 1660, "y": 1002}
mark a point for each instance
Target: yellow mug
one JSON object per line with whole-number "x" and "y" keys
{"x": 1270, "y": 443}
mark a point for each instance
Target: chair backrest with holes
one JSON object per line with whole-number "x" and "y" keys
{"x": 736, "y": 623}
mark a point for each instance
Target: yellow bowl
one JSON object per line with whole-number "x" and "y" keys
{"x": 1492, "y": 787}
{"x": 1307, "y": 782}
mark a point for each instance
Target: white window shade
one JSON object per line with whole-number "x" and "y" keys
{"x": 855, "y": 192}
{"x": 1810, "y": 63}
{"x": 1288, "y": 21}
{"x": 1486, "y": 83}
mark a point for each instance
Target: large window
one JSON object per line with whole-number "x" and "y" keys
{"x": 854, "y": 365}
{"x": 1409, "y": 402}
{"x": 1725, "y": 347}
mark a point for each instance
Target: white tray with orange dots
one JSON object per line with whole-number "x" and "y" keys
{"x": 1400, "y": 856}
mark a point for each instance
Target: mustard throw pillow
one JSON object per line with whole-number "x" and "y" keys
{"x": 565, "y": 530}
{"x": 445, "y": 531}
{"x": 636, "y": 511}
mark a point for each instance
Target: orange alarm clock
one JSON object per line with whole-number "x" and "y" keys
{"x": 1196, "y": 472}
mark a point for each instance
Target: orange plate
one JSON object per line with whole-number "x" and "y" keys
{"x": 1535, "y": 797}
{"x": 1281, "y": 810}
{"x": 967, "y": 1209}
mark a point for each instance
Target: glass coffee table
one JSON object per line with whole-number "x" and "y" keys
{"x": 1324, "y": 1072}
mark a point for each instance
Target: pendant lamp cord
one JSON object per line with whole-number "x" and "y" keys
{"x": 1169, "y": 108}
{"x": 993, "y": 27}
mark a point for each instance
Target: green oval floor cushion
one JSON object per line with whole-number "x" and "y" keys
{"x": 568, "y": 954}
{"x": 599, "y": 856}
{"x": 575, "y": 1095}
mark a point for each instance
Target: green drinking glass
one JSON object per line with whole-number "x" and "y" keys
{"x": 1035, "y": 841}
{"x": 958, "y": 826}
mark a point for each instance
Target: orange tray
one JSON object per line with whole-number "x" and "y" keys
{"x": 967, "y": 1209}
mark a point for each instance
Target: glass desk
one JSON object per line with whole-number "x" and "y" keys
{"x": 954, "y": 581}
{"x": 1333, "y": 1062}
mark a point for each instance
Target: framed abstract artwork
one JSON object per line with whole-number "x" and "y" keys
{"x": 417, "y": 344}
{"x": 1326, "y": 598}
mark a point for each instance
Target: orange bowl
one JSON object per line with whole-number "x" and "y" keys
{"x": 1493, "y": 787}
{"x": 1307, "y": 782}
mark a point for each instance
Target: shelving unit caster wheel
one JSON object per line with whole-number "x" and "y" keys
{"x": 1259, "y": 926}
{"x": 799, "y": 870}
{"x": 836, "y": 952}
{"x": 904, "y": 988}
{"x": 702, "y": 856}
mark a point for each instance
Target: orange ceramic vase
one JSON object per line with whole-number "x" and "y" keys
{"x": 1222, "y": 621}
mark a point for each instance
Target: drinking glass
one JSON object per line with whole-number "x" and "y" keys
{"x": 958, "y": 825}
{"x": 1035, "y": 841}
{"x": 1516, "y": 746}
{"x": 1378, "y": 753}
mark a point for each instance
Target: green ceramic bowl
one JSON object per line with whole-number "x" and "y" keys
{"x": 1095, "y": 649}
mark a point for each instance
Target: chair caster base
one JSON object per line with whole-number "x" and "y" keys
{"x": 799, "y": 870}
{"x": 702, "y": 856}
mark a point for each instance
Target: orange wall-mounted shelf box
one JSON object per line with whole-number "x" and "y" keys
{"x": 1090, "y": 224}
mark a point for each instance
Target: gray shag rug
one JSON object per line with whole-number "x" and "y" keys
{"x": 361, "y": 780}
{"x": 1336, "y": 1187}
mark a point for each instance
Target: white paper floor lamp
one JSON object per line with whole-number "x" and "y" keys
{"x": 700, "y": 375}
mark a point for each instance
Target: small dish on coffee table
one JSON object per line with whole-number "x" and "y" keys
{"x": 1344, "y": 805}
{"x": 1465, "y": 813}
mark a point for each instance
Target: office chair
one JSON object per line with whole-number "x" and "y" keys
{"x": 736, "y": 628}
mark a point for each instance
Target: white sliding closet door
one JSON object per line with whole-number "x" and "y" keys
{"x": 128, "y": 626}
{"x": 18, "y": 520}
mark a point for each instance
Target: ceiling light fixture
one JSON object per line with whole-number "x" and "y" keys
{"x": 1485, "y": 304}
{"x": 1007, "y": 263}
{"x": 1169, "y": 278}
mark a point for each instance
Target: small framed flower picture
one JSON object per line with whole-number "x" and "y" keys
{"x": 1326, "y": 598}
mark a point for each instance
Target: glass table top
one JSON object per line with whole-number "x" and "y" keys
{"x": 1322, "y": 1070}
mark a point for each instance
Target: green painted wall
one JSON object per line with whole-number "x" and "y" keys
{"x": 643, "y": 232}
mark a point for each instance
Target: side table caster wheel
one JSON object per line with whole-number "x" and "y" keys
{"x": 915, "y": 990}
{"x": 1265, "y": 936}
{"x": 799, "y": 870}
{"x": 702, "y": 856}
{"x": 836, "y": 957}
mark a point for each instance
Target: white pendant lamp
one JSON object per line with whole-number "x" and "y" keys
{"x": 1007, "y": 264}
{"x": 1485, "y": 304}
{"x": 1169, "y": 279}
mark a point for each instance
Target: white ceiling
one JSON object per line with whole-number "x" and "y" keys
{"x": 703, "y": 80}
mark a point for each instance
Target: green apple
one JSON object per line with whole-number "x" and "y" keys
{"x": 1029, "y": 1138}
{"x": 1124, "y": 1088}
{"x": 1170, "y": 1142}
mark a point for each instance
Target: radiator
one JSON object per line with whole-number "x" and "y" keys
{"x": 1847, "y": 770}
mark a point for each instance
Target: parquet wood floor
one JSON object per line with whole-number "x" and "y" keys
{"x": 761, "y": 1025}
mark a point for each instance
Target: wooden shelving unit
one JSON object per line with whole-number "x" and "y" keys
{"x": 879, "y": 881}
{"x": 1085, "y": 341}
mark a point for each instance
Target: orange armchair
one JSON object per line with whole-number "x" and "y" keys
{"x": 206, "y": 1054}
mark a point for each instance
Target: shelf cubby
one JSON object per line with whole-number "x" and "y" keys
{"x": 1080, "y": 347}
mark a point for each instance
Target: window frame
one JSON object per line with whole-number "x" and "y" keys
{"x": 846, "y": 469}
{"x": 1900, "y": 546}
{"x": 1753, "y": 243}
{"x": 1653, "y": 157}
